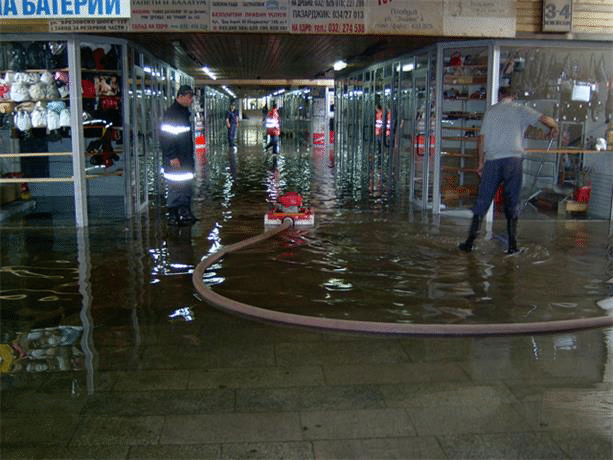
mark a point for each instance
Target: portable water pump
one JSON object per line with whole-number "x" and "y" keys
{"x": 289, "y": 208}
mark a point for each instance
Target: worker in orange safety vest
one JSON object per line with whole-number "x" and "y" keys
{"x": 379, "y": 126}
{"x": 273, "y": 128}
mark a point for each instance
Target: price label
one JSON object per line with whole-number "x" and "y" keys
{"x": 557, "y": 15}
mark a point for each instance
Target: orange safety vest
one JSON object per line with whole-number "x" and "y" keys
{"x": 378, "y": 122}
{"x": 273, "y": 123}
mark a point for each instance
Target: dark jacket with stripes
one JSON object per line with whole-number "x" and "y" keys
{"x": 176, "y": 137}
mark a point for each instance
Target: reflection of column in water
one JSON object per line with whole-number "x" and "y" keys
{"x": 232, "y": 161}
{"x": 85, "y": 289}
{"x": 609, "y": 256}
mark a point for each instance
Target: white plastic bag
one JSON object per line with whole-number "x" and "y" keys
{"x": 23, "y": 121}
{"x": 19, "y": 92}
{"x": 65, "y": 118}
{"x": 46, "y": 77}
{"x": 53, "y": 120}
{"x": 39, "y": 118}
{"x": 37, "y": 91}
{"x": 51, "y": 91}
{"x": 64, "y": 91}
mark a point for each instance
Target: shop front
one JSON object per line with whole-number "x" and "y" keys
{"x": 433, "y": 103}
{"x": 79, "y": 117}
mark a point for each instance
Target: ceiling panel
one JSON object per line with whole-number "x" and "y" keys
{"x": 273, "y": 56}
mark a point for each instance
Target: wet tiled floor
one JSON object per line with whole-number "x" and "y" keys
{"x": 146, "y": 382}
{"x": 231, "y": 388}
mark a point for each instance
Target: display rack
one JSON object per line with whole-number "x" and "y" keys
{"x": 34, "y": 113}
{"x": 102, "y": 102}
{"x": 463, "y": 104}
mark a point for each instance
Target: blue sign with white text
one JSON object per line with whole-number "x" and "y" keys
{"x": 46, "y": 9}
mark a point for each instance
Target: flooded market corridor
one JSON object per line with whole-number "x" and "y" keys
{"x": 108, "y": 352}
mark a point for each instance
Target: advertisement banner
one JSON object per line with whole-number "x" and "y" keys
{"x": 89, "y": 25}
{"x": 406, "y": 17}
{"x": 480, "y": 18}
{"x": 344, "y": 17}
{"x": 169, "y": 16}
{"x": 250, "y": 16}
{"x": 147, "y": 16}
{"x": 494, "y": 18}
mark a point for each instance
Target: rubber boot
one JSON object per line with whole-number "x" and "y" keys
{"x": 467, "y": 246}
{"x": 173, "y": 216}
{"x": 186, "y": 217}
{"x": 512, "y": 232}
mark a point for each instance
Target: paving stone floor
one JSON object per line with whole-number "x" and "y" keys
{"x": 229, "y": 388}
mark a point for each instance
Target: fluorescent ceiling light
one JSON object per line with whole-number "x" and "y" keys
{"x": 207, "y": 71}
{"x": 339, "y": 65}
{"x": 227, "y": 90}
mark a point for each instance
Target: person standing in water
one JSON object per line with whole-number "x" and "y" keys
{"x": 500, "y": 148}
{"x": 273, "y": 128}
{"x": 232, "y": 124}
{"x": 177, "y": 145}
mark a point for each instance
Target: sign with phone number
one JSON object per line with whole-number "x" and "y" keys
{"x": 344, "y": 17}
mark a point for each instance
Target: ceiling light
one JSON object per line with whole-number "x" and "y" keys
{"x": 227, "y": 90}
{"x": 339, "y": 65}
{"x": 207, "y": 71}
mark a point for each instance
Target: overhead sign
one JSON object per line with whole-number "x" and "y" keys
{"x": 169, "y": 16}
{"x": 48, "y": 9}
{"x": 494, "y": 18}
{"x": 557, "y": 15}
{"x": 410, "y": 17}
{"x": 330, "y": 17}
{"x": 249, "y": 16}
{"x": 485, "y": 18}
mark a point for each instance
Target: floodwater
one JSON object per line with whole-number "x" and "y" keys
{"x": 369, "y": 256}
{"x": 108, "y": 352}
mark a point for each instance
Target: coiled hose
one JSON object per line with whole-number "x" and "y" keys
{"x": 372, "y": 327}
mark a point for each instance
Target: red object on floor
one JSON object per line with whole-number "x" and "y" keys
{"x": 582, "y": 194}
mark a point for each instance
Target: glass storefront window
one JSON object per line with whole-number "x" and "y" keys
{"x": 35, "y": 127}
{"x": 572, "y": 85}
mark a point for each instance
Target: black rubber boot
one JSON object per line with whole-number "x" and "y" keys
{"x": 173, "y": 216}
{"x": 467, "y": 246}
{"x": 186, "y": 217}
{"x": 512, "y": 232}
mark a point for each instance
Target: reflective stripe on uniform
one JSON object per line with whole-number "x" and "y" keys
{"x": 175, "y": 129}
{"x": 272, "y": 122}
{"x": 180, "y": 176}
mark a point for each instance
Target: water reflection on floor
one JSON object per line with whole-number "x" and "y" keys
{"x": 102, "y": 333}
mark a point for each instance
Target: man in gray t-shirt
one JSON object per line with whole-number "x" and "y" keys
{"x": 500, "y": 150}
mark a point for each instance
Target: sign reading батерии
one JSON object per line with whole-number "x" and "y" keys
{"x": 46, "y": 9}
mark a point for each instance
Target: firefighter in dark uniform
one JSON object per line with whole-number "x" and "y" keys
{"x": 177, "y": 144}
